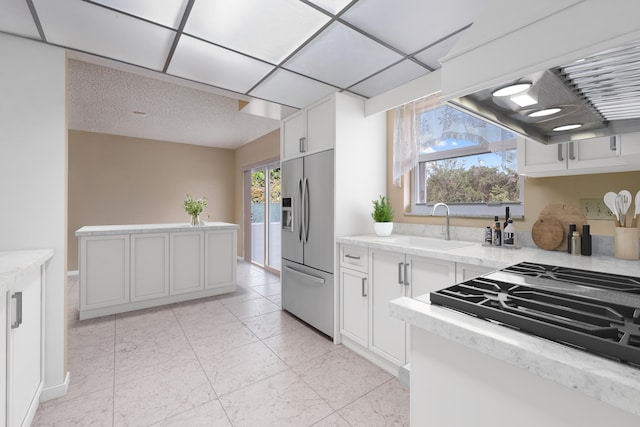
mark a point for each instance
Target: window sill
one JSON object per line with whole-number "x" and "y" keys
{"x": 462, "y": 210}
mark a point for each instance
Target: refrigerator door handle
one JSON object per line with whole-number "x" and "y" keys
{"x": 307, "y": 210}
{"x": 309, "y": 277}
{"x": 299, "y": 211}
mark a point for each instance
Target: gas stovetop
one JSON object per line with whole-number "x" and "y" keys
{"x": 597, "y": 312}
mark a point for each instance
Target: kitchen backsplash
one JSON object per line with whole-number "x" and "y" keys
{"x": 601, "y": 245}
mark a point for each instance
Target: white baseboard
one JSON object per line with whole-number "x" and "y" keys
{"x": 72, "y": 273}
{"x": 55, "y": 391}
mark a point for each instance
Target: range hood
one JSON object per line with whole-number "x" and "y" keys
{"x": 578, "y": 59}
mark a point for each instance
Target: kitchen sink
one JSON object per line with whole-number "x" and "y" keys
{"x": 424, "y": 242}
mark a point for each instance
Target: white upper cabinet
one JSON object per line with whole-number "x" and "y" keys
{"x": 309, "y": 131}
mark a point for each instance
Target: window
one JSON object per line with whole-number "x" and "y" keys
{"x": 465, "y": 162}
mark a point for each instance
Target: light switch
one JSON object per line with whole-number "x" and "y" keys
{"x": 595, "y": 209}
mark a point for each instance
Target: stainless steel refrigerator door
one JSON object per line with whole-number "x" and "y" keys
{"x": 318, "y": 212}
{"x": 308, "y": 294}
{"x": 291, "y": 186}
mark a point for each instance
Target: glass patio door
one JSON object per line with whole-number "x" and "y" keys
{"x": 265, "y": 216}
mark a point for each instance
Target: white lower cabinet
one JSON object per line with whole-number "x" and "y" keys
{"x": 3, "y": 355}
{"x": 220, "y": 259}
{"x": 367, "y": 287}
{"x": 354, "y": 305}
{"x": 187, "y": 262}
{"x": 23, "y": 347}
{"x": 149, "y": 266}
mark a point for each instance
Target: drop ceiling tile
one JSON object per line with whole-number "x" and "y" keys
{"x": 16, "y": 18}
{"x": 431, "y": 56}
{"x": 341, "y": 56}
{"x": 204, "y": 62}
{"x": 268, "y": 30}
{"x": 411, "y": 25}
{"x": 167, "y": 12}
{"x": 393, "y": 77}
{"x": 89, "y": 28}
{"x": 333, "y": 6}
{"x": 291, "y": 89}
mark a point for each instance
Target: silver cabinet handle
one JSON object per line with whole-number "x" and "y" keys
{"x": 305, "y": 275}
{"x": 302, "y": 144}
{"x": 572, "y": 155}
{"x": 18, "y": 297}
{"x": 406, "y": 282}
{"x": 351, "y": 256}
{"x": 613, "y": 143}
{"x": 364, "y": 285}
{"x": 560, "y": 158}
{"x": 400, "y": 281}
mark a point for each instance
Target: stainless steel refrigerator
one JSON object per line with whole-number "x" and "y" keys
{"x": 307, "y": 188}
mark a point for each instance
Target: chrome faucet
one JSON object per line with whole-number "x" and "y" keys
{"x": 448, "y": 236}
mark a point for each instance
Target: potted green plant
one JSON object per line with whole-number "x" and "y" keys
{"x": 383, "y": 216}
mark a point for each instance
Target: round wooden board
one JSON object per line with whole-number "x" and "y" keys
{"x": 566, "y": 214}
{"x": 547, "y": 233}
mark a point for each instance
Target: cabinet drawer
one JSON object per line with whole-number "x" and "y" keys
{"x": 354, "y": 257}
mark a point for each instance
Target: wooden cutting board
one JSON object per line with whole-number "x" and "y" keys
{"x": 547, "y": 233}
{"x": 566, "y": 214}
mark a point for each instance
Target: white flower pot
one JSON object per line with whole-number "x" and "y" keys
{"x": 383, "y": 229}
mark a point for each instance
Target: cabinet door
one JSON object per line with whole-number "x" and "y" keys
{"x": 104, "y": 271}
{"x": 537, "y": 159}
{"x": 426, "y": 275}
{"x": 220, "y": 258}
{"x": 468, "y": 271}
{"x": 320, "y": 124}
{"x": 25, "y": 374}
{"x": 594, "y": 153}
{"x": 354, "y": 306}
{"x": 3, "y": 355}
{"x": 149, "y": 266}
{"x": 292, "y": 130}
{"x": 387, "y": 334}
{"x": 187, "y": 262}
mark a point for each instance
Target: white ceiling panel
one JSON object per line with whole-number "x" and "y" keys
{"x": 166, "y": 12}
{"x": 333, "y": 6}
{"x": 16, "y": 18}
{"x": 410, "y": 25}
{"x": 268, "y": 30}
{"x": 204, "y": 62}
{"x": 291, "y": 89}
{"x": 85, "y": 27}
{"x": 341, "y": 56}
{"x": 399, "y": 74}
{"x": 431, "y": 57}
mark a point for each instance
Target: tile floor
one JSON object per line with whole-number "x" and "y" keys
{"x": 231, "y": 360}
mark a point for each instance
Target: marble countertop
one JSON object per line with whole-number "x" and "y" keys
{"x": 99, "y": 230}
{"x": 476, "y": 254}
{"x": 603, "y": 379}
{"x": 16, "y": 264}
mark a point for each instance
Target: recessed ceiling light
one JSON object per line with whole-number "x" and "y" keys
{"x": 546, "y": 112}
{"x": 524, "y": 100}
{"x": 512, "y": 89}
{"x": 567, "y": 127}
{"x": 140, "y": 113}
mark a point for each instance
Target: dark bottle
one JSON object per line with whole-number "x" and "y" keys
{"x": 586, "y": 240}
{"x": 572, "y": 228}
{"x": 507, "y": 215}
{"x": 497, "y": 233}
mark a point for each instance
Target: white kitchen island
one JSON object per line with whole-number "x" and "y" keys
{"x": 129, "y": 267}
{"x": 470, "y": 372}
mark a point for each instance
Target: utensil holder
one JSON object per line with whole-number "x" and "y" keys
{"x": 626, "y": 243}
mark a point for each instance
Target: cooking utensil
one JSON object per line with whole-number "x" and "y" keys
{"x": 634, "y": 223}
{"x": 620, "y": 209}
{"x": 626, "y": 199}
{"x": 610, "y": 201}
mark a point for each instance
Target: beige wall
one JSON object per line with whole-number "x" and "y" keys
{"x": 122, "y": 180}
{"x": 538, "y": 192}
{"x": 261, "y": 150}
